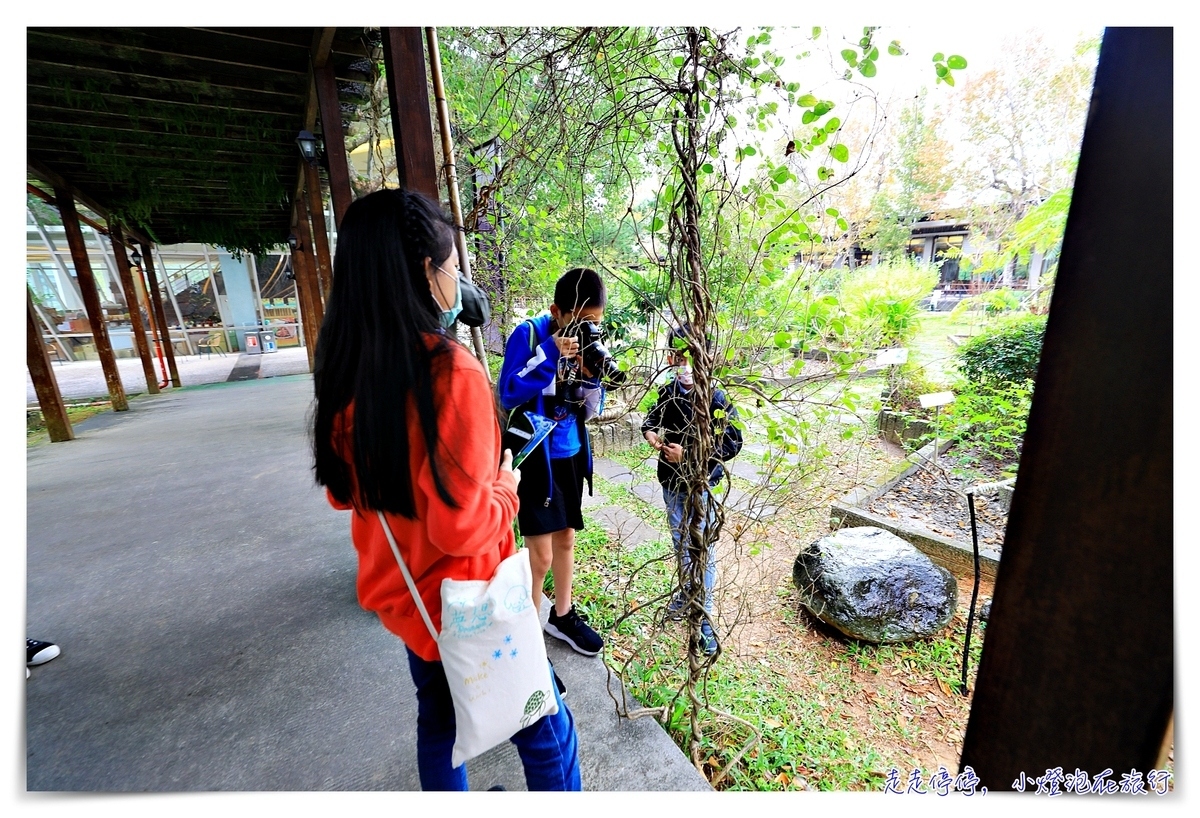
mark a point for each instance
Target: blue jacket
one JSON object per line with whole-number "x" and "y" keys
{"x": 528, "y": 382}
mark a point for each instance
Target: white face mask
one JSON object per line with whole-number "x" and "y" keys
{"x": 683, "y": 374}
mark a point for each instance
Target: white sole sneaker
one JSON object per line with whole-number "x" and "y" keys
{"x": 557, "y": 634}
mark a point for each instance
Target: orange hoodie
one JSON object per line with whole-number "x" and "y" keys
{"x": 467, "y": 542}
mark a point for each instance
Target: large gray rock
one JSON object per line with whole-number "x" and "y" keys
{"x": 871, "y": 585}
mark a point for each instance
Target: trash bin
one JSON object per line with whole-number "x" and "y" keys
{"x": 253, "y": 345}
{"x": 266, "y": 339}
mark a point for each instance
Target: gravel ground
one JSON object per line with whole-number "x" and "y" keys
{"x": 931, "y": 498}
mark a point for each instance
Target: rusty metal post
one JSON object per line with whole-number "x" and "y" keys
{"x": 160, "y": 314}
{"x": 91, "y": 298}
{"x": 408, "y": 94}
{"x": 340, "y": 192}
{"x": 117, "y": 239}
{"x": 54, "y": 411}
{"x": 316, "y": 214}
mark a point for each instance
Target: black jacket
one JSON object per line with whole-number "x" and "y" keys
{"x": 672, "y": 416}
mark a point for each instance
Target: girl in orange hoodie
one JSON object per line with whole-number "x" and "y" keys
{"x": 405, "y": 422}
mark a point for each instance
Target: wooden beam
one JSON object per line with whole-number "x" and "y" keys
{"x": 322, "y": 46}
{"x": 135, "y": 309}
{"x": 316, "y": 212}
{"x": 48, "y": 199}
{"x": 1078, "y": 668}
{"x": 408, "y": 93}
{"x": 41, "y": 171}
{"x": 91, "y": 298}
{"x": 54, "y": 411}
{"x": 160, "y": 315}
{"x": 336, "y": 155}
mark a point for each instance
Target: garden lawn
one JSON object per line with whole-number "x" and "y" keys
{"x": 828, "y": 713}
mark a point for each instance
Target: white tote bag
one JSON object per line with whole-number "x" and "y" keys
{"x": 492, "y": 651}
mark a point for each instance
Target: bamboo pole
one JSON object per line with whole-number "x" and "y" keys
{"x": 443, "y": 111}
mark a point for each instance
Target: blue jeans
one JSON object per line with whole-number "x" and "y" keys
{"x": 676, "y": 502}
{"x": 549, "y": 748}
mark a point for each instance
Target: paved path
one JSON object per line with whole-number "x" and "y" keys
{"x": 85, "y": 379}
{"x": 202, "y": 591}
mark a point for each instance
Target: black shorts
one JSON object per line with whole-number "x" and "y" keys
{"x": 535, "y": 515}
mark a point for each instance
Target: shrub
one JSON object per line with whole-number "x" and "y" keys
{"x": 884, "y": 300}
{"x": 1006, "y": 353}
{"x": 991, "y": 302}
{"x": 989, "y": 418}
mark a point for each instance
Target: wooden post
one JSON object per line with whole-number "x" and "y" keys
{"x": 160, "y": 315}
{"x": 320, "y": 245}
{"x": 306, "y": 282}
{"x": 408, "y": 93}
{"x": 1078, "y": 668}
{"x": 91, "y": 298}
{"x": 117, "y": 239}
{"x": 54, "y": 412}
{"x": 340, "y": 192}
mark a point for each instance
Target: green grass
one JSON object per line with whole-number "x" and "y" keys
{"x": 931, "y": 347}
{"x": 75, "y": 414}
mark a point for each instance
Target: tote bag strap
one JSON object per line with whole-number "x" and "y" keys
{"x": 412, "y": 586}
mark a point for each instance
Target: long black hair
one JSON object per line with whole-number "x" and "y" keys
{"x": 373, "y": 347}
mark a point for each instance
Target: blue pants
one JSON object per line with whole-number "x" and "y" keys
{"x": 676, "y": 501}
{"x": 549, "y": 748}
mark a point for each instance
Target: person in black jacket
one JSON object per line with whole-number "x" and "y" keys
{"x": 670, "y": 429}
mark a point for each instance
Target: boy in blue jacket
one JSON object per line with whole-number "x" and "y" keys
{"x": 544, "y": 373}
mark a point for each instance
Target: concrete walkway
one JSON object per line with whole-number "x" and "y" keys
{"x": 202, "y": 591}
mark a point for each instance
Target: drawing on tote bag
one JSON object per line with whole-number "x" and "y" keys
{"x": 533, "y": 708}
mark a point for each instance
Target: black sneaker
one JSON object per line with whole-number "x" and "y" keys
{"x": 707, "y": 639}
{"x": 562, "y": 688}
{"x": 38, "y": 653}
{"x": 573, "y": 629}
{"x": 677, "y": 607}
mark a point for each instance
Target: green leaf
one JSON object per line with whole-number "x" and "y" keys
{"x": 764, "y": 281}
{"x": 843, "y": 224}
{"x": 831, "y": 211}
{"x": 731, "y": 120}
{"x": 840, "y": 152}
{"x": 949, "y": 80}
{"x": 850, "y": 56}
{"x": 867, "y": 69}
{"x": 938, "y": 57}
{"x": 657, "y": 224}
{"x": 894, "y": 48}
{"x": 808, "y": 117}
{"x": 832, "y": 125}
{"x": 749, "y": 150}
{"x": 956, "y": 62}
{"x": 823, "y": 108}
{"x": 941, "y": 70}
{"x": 792, "y": 87}
{"x": 874, "y": 54}
{"x": 816, "y": 32}
{"x": 818, "y": 138}
{"x": 780, "y": 174}
{"x": 807, "y": 101}
{"x": 783, "y": 339}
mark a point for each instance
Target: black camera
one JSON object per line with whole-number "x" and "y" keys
{"x": 593, "y": 353}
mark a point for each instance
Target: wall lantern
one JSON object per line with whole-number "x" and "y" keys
{"x": 308, "y": 146}
{"x": 136, "y": 258}
{"x": 293, "y": 242}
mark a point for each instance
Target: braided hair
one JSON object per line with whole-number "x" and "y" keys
{"x": 374, "y": 348}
